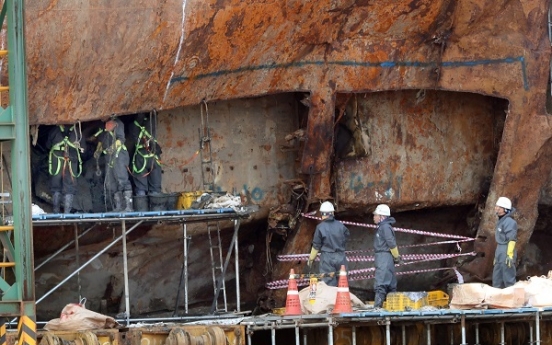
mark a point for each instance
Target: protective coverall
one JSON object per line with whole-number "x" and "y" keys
{"x": 146, "y": 165}
{"x": 385, "y": 279}
{"x": 64, "y": 165}
{"x": 504, "y": 271}
{"x": 112, "y": 145}
{"x": 330, "y": 239}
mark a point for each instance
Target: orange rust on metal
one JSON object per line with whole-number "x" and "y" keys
{"x": 221, "y": 50}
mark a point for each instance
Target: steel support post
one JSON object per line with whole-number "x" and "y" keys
{"x": 502, "y": 334}
{"x": 237, "y": 264}
{"x": 77, "y": 257}
{"x": 388, "y": 332}
{"x": 22, "y": 293}
{"x": 477, "y": 334}
{"x": 463, "y": 324}
{"x": 353, "y": 335}
{"x": 125, "y": 273}
{"x": 537, "y": 328}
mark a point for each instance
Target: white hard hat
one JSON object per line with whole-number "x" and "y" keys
{"x": 504, "y": 203}
{"x": 383, "y": 210}
{"x": 326, "y": 207}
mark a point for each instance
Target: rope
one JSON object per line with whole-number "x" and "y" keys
{"x": 304, "y": 257}
{"x": 360, "y": 274}
{"x": 411, "y": 231}
{"x": 304, "y": 281}
{"x": 364, "y": 258}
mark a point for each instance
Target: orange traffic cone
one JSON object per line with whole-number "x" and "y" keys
{"x": 343, "y": 298}
{"x": 293, "y": 304}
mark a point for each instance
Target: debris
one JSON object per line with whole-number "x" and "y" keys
{"x": 36, "y": 210}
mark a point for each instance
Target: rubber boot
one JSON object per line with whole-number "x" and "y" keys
{"x": 68, "y": 203}
{"x": 118, "y": 199}
{"x": 56, "y": 201}
{"x": 378, "y": 302}
{"x": 128, "y": 201}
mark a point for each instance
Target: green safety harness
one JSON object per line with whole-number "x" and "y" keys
{"x": 109, "y": 150}
{"x": 143, "y": 143}
{"x": 64, "y": 146}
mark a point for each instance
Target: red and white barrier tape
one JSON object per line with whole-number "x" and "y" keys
{"x": 411, "y": 231}
{"x": 282, "y": 284}
{"x": 363, "y": 258}
{"x": 360, "y": 274}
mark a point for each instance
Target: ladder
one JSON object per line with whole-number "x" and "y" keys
{"x": 205, "y": 151}
{"x": 217, "y": 268}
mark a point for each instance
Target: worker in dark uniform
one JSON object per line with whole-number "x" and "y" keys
{"x": 146, "y": 164}
{"x": 386, "y": 255}
{"x": 504, "y": 270}
{"x": 111, "y": 143}
{"x": 64, "y": 165}
{"x": 330, "y": 239}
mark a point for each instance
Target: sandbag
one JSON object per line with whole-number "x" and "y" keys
{"x": 479, "y": 295}
{"x": 467, "y": 296}
{"x": 537, "y": 291}
{"x": 325, "y": 300}
{"x": 75, "y": 317}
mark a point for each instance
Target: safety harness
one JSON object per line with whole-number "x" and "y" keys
{"x": 64, "y": 146}
{"x": 144, "y": 149}
{"x": 112, "y": 149}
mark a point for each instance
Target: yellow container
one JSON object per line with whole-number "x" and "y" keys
{"x": 404, "y": 301}
{"x": 279, "y": 311}
{"x": 186, "y": 198}
{"x": 438, "y": 299}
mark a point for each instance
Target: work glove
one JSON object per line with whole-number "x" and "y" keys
{"x": 509, "y": 261}
{"x": 396, "y": 256}
{"x": 312, "y": 256}
{"x": 98, "y": 151}
{"x": 309, "y": 267}
{"x": 398, "y": 260}
{"x": 118, "y": 143}
{"x": 510, "y": 253}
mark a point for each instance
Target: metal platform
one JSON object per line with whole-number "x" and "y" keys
{"x": 188, "y": 216}
{"x": 393, "y": 325}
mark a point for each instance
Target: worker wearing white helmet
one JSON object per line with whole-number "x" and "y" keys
{"x": 330, "y": 239}
{"x": 386, "y": 255}
{"x": 504, "y": 270}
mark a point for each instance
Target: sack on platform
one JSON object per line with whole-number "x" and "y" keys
{"x": 325, "y": 299}
{"x": 75, "y": 317}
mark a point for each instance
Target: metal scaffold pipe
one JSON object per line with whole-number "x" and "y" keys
{"x": 88, "y": 262}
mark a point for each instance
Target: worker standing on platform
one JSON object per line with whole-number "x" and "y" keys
{"x": 146, "y": 164}
{"x": 330, "y": 239}
{"x": 504, "y": 270}
{"x": 64, "y": 165}
{"x": 386, "y": 255}
{"x": 111, "y": 142}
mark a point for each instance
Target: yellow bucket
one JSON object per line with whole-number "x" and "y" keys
{"x": 186, "y": 198}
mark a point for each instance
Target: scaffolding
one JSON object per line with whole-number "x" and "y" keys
{"x": 130, "y": 221}
{"x": 393, "y": 327}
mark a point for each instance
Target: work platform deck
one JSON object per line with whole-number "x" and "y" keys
{"x": 171, "y": 216}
